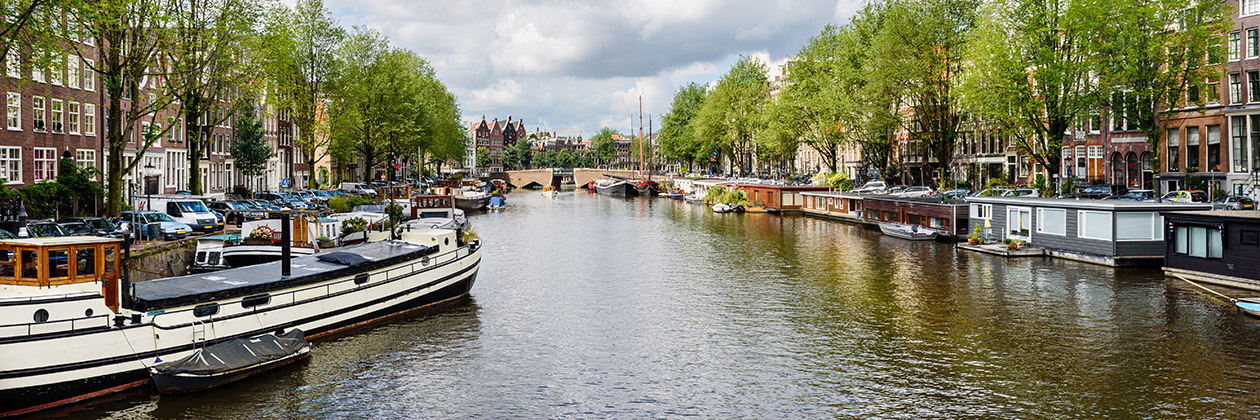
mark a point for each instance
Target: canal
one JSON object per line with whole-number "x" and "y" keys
{"x": 588, "y": 306}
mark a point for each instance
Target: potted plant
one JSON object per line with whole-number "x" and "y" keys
{"x": 325, "y": 242}
{"x": 1012, "y": 245}
{"x": 974, "y": 238}
{"x": 262, "y": 235}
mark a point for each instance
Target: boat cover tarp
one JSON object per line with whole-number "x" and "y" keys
{"x": 343, "y": 258}
{"x": 236, "y": 354}
{"x": 194, "y": 289}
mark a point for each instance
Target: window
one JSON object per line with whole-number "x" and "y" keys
{"x": 15, "y": 111}
{"x": 1253, "y": 41}
{"x": 1018, "y": 221}
{"x": 85, "y": 158}
{"x": 1249, "y": 6}
{"x": 58, "y": 116}
{"x": 1192, "y": 149}
{"x": 1213, "y": 89}
{"x": 1198, "y": 241}
{"x": 45, "y": 164}
{"x": 1235, "y": 88}
{"x": 89, "y": 119}
{"x": 72, "y": 71}
{"x": 85, "y": 262}
{"x": 74, "y": 118}
{"x": 981, "y": 211}
{"x": 30, "y": 263}
{"x": 89, "y": 75}
{"x": 37, "y": 73}
{"x": 1081, "y": 162}
{"x": 1234, "y": 50}
{"x": 56, "y": 73}
{"x": 1214, "y": 147}
{"x": 1249, "y": 237}
{"x": 1093, "y": 225}
{"x": 11, "y": 163}
{"x": 1174, "y": 150}
{"x": 1253, "y": 85}
{"x": 1052, "y": 221}
{"x": 1136, "y": 226}
{"x": 38, "y": 115}
{"x": 13, "y": 65}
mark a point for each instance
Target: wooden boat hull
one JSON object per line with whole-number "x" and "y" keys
{"x": 902, "y": 231}
{"x": 180, "y": 384}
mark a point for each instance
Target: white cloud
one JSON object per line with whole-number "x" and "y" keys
{"x": 581, "y": 65}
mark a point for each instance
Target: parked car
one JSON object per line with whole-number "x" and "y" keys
{"x": 1021, "y": 192}
{"x": 956, "y": 194}
{"x": 1142, "y": 195}
{"x": 236, "y": 212}
{"x": 358, "y": 188}
{"x": 100, "y": 226}
{"x": 40, "y": 229}
{"x": 76, "y": 228}
{"x": 218, "y": 219}
{"x": 872, "y": 187}
{"x": 1098, "y": 192}
{"x": 1233, "y": 202}
{"x": 1185, "y": 196}
{"x": 156, "y": 225}
{"x": 910, "y": 192}
{"x": 992, "y": 192}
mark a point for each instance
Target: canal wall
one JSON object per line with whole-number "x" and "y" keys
{"x": 166, "y": 259}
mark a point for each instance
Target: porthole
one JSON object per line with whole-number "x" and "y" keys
{"x": 41, "y": 316}
{"x": 255, "y": 300}
{"x": 361, "y": 278}
{"x": 88, "y": 312}
{"x": 205, "y": 310}
{"x": 446, "y": 241}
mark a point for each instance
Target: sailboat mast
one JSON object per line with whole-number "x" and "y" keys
{"x": 640, "y": 137}
{"x": 650, "y": 155}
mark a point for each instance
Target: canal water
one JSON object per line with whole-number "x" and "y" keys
{"x": 588, "y": 306}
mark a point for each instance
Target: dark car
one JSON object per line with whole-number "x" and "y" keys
{"x": 41, "y": 229}
{"x": 236, "y": 211}
{"x": 100, "y": 226}
{"x": 1097, "y": 192}
{"x": 1233, "y": 202}
{"x": 76, "y": 228}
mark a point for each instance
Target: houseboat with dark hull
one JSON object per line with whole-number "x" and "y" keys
{"x": 75, "y": 329}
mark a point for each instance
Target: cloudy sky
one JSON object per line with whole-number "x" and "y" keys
{"x": 581, "y": 65}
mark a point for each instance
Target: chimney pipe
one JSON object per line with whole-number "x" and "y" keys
{"x": 284, "y": 245}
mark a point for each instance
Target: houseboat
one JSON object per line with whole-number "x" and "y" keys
{"x": 840, "y": 205}
{"x": 948, "y": 218}
{"x": 1108, "y": 232}
{"x": 75, "y": 329}
{"x": 780, "y": 198}
{"x": 1220, "y": 247}
{"x": 259, "y": 241}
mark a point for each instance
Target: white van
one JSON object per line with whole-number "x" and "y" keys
{"x": 190, "y": 211}
{"x": 358, "y": 188}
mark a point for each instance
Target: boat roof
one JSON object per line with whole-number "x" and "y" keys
{"x": 59, "y": 240}
{"x": 1222, "y": 214}
{"x": 193, "y": 289}
{"x": 845, "y": 194}
{"x": 1090, "y": 204}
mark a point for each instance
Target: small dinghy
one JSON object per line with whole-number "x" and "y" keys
{"x": 229, "y": 361}
{"x": 905, "y": 231}
{"x": 1249, "y": 305}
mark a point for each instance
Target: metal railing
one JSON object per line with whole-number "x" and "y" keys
{"x": 74, "y": 324}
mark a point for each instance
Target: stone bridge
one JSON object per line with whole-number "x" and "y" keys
{"x": 538, "y": 178}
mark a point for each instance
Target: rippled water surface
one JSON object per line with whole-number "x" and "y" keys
{"x": 588, "y": 306}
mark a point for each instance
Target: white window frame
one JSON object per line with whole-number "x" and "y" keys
{"x": 89, "y": 75}
{"x": 57, "y": 123}
{"x": 1017, "y": 210}
{"x": 39, "y": 114}
{"x": 1235, "y": 49}
{"x": 1155, "y": 230}
{"x": 72, "y": 118}
{"x": 981, "y": 211}
{"x": 72, "y": 71}
{"x": 51, "y": 169}
{"x": 85, "y": 158}
{"x": 89, "y": 120}
{"x": 1080, "y": 225}
{"x": 11, "y": 164}
{"x": 1041, "y": 217}
{"x": 13, "y": 118}
{"x": 13, "y": 64}
{"x": 56, "y": 73}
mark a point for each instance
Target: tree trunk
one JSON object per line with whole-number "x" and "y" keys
{"x": 193, "y": 139}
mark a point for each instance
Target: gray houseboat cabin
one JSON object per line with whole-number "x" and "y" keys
{"x": 1221, "y": 247}
{"x": 1098, "y": 231}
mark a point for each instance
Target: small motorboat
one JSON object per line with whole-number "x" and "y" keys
{"x": 550, "y": 192}
{"x": 1249, "y": 305}
{"x": 497, "y": 202}
{"x": 229, "y": 361}
{"x": 727, "y": 208}
{"x": 910, "y": 232}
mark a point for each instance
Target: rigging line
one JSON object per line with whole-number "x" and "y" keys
{"x": 1230, "y": 299}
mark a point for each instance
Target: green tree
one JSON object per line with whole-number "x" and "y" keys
{"x": 1031, "y": 72}
{"x": 249, "y": 149}
{"x": 678, "y": 138}
{"x": 211, "y": 61}
{"x": 877, "y": 90}
{"x": 1153, "y": 54}
{"x": 299, "y": 50}
{"x": 521, "y": 152}
{"x": 603, "y": 147}
{"x": 483, "y": 157}
{"x": 734, "y": 113}
{"x": 817, "y": 95}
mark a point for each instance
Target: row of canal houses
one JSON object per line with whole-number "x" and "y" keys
{"x": 1190, "y": 240}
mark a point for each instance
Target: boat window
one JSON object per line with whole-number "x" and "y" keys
{"x": 58, "y": 263}
{"x": 201, "y": 256}
{"x": 85, "y": 262}
{"x": 361, "y": 278}
{"x": 214, "y": 259}
{"x": 205, "y": 310}
{"x": 30, "y": 264}
{"x": 6, "y": 263}
{"x": 109, "y": 259}
{"x": 257, "y": 300}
